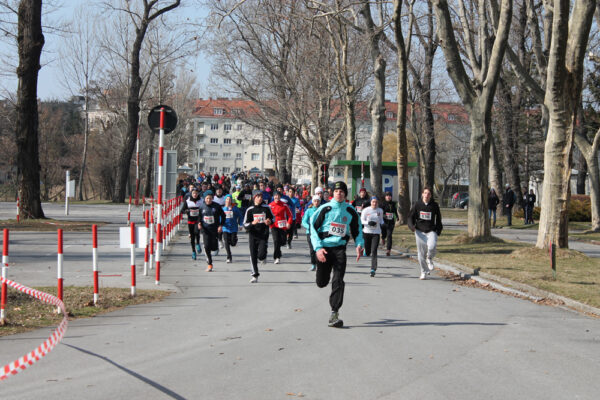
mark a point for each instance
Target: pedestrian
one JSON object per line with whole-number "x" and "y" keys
{"x": 508, "y": 200}
{"x": 233, "y": 219}
{"x": 330, "y": 229}
{"x": 315, "y": 203}
{"x": 257, "y": 219}
{"x": 529, "y": 204}
{"x": 372, "y": 219}
{"x": 282, "y": 224}
{"x": 362, "y": 201}
{"x": 293, "y": 231}
{"x": 191, "y": 207}
{"x": 493, "y": 201}
{"x": 211, "y": 223}
{"x": 390, "y": 216}
{"x": 425, "y": 220}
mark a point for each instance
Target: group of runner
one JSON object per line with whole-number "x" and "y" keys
{"x": 329, "y": 219}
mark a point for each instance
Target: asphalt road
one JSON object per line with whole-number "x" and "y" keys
{"x": 220, "y": 337}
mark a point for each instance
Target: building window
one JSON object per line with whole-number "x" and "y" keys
{"x": 214, "y": 127}
{"x": 390, "y": 115}
{"x": 225, "y": 170}
{"x": 255, "y": 142}
{"x": 214, "y": 154}
{"x": 357, "y": 144}
{"x": 239, "y": 127}
{"x": 238, "y": 156}
{"x": 227, "y": 127}
{"x": 214, "y": 140}
{"x": 451, "y": 117}
{"x": 238, "y": 141}
{"x": 255, "y": 156}
{"x": 236, "y": 111}
{"x": 238, "y": 169}
{"x": 270, "y": 157}
{"x": 213, "y": 169}
{"x": 226, "y": 156}
{"x": 218, "y": 111}
{"x": 226, "y": 141}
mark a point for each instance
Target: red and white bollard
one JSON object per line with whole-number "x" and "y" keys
{"x": 151, "y": 238}
{"x": 4, "y": 273}
{"x": 129, "y": 212}
{"x": 159, "y": 201}
{"x": 132, "y": 226}
{"x": 18, "y": 210}
{"x": 146, "y": 253}
{"x": 59, "y": 263}
{"x": 158, "y": 246}
{"x": 95, "y": 261}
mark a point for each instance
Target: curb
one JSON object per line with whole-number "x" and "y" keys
{"x": 511, "y": 287}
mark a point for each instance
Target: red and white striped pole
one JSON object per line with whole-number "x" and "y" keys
{"x": 161, "y": 149}
{"x": 151, "y": 233}
{"x": 146, "y": 253}
{"x": 137, "y": 167}
{"x": 59, "y": 263}
{"x": 18, "y": 209}
{"x": 4, "y": 273}
{"x": 132, "y": 226}
{"x": 95, "y": 260}
{"x": 129, "y": 212}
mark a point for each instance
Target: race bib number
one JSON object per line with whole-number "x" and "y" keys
{"x": 336, "y": 229}
{"x": 425, "y": 215}
{"x": 194, "y": 213}
{"x": 282, "y": 223}
{"x": 209, "y": 219}
{"x": 359, "y": 208}
{"x": 259, "y": 218}
{"x": 247, "y": 197}
{"x": 389, "y": 216}
{"x": 228, "y": 214}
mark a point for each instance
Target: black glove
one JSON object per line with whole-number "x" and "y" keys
{"x": 372, "y": 223}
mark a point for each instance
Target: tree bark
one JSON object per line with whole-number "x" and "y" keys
{"x": 30, "y": 41}
{"x": 589, "y": 151}
{"x": 509, "y": 112}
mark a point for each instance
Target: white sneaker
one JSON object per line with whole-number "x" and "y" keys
{"x": 254, "y": 279}
{"x": 430, "y": 264}
{"x": 422, "y": 276}
{"x": 276, "y": 261}
{"x": 229, "y": 261}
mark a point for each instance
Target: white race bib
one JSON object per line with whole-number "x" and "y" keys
{"x": 194, "y": 213}
{"x": 282, "y": 223}
{"x": 389, "y": 216}
{"x": 425, "y": 215}
{"x": 228, "y": 214}
{"x": 336, "y": 229}
{"x": 259, "y": 218}
{"x": 247, "y": 197}
{"x": 209, "y": 219}
{"x": 359, "y": 208}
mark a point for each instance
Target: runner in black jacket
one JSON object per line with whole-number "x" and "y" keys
{"x": 257, "y": 219}
{"x": 211, "y": 220}
{"x": 390, "y": 216}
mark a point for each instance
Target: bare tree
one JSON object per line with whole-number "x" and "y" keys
{"x": 476, "y": 92}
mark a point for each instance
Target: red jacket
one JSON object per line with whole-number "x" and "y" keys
{"x": 281, "y": 212}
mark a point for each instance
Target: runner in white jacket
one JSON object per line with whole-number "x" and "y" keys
{"x": 372, "y": 219}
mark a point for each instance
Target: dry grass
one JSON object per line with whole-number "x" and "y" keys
{"x": 25, "y": 313}
{"x": 47, "y": 224}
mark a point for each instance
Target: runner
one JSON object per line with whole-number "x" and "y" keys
{"x": 362, "y": 201}
{"x": 316, "y": 202}
{"x": 246, "y": 197}
{"x": 390, "y": 215}
{"x": 425, "y": 220}
{"x": 293, "y": 231}
{"x": 191, "y": 207}
{"x": 329, "y": 233}
{"x": 282, "y": 223}
{"x": 211, "y": 224}
{"x": 257, "y": 219}
{"x": 372, "y": 219}
{"x": 219, "y": 198}
{"x": 233, "y": 218}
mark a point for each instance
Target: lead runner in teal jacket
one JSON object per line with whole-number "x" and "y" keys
{"x": 331, "y": 227}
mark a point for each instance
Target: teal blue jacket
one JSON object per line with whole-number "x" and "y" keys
{"x": 306, "y": 218}
{"x": 333, "y": 224}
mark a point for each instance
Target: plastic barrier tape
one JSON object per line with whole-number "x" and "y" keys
{"x": 22, "y": 363}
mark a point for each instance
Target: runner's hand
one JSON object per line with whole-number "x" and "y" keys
{"x": 220, "y": 229}
{"x": 321, "y": 255}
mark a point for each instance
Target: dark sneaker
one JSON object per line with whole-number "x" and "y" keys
{"x": 372, "y": 273}
{"x": 335, "y": 321}
{"x": 198, "y": 250}
{"x": 194, "y": 256}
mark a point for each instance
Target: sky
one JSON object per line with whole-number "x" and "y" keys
{"x": 49, "y": 87}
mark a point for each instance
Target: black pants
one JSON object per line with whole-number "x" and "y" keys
{"x": 279, "y": 236}
{"x": 371, "y": 245}
{"x": 336, "y": 262}
{"x": 387, "y": 229}
{"x": 290, "y": 233}
{"x": 210, "y": 244}
{"x": 258, "y": 251}
{"x": 313, "y": 254}
{"x": 194, "y": 235}
{"x": 230, "y": 240}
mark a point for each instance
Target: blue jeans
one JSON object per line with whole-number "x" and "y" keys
{"x": 492, "y": 211}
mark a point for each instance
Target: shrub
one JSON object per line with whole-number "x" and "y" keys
{"x": 579, "y": 209}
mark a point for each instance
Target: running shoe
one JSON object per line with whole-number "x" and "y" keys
{"x": 254, "y": 279}
{"x": 193, "y": 255}
{"x": 422, "y": 277}
{"x": 387, "y": 253}
{"x": 276, "y": 261}
{"x": 430, "y": 265}
{"x": 229, "y": 261}
{"x": 335, "y": 321}
{"x": 372, "y": 273}
{"x": 289, "y": 245}
{"x": 313, "y": 268}
{"x": 198, "y": 250}
{"x": 209, "y": 268}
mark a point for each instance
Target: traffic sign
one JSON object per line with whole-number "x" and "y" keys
{"x": 170, "y": 119}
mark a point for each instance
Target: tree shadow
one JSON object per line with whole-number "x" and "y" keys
{"x": 388, "y": 322}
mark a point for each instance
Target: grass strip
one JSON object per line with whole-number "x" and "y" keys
{"x": 24, "y": 313}
{"x": 578, "y": 276}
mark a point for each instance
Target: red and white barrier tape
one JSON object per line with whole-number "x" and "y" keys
{"x": 22, "y": 363}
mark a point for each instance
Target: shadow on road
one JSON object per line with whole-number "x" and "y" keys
{"x": 401, "y": 322}
{"x": 155, "y": 385}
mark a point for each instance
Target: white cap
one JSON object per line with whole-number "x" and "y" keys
{"x": 316, "y": 197}
{"x": 319, "y": 189}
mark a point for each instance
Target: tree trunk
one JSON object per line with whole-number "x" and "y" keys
{"x": 589, "y": 151}
{"x": 314, "y": 176}
{"x": 582, "y": 172}
{"x": 86, "y": 133}
{"x": 495, "y": 172}
{"x": 478, "y": 219}
{"x": 30, "y": 41}
{"x": 350, "y": 133}
{"x": 149, "y": 166}
{"x": 377, "y": 109}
